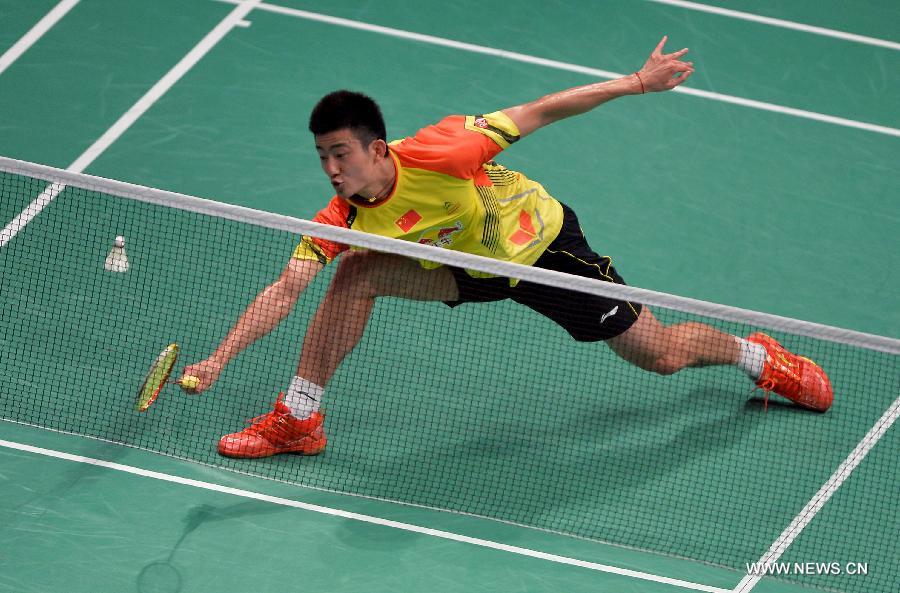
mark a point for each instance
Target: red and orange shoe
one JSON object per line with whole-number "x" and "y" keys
{"x": 276, "y": 432}
{"x": 795, "y": 377}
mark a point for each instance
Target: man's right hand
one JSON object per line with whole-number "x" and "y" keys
{"x": 207, "y": 371}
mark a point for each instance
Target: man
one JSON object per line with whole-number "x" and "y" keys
{"x": 442, "y": 187}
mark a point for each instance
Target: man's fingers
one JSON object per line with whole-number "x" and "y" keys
{"x": 660, "y": 45}
{"x": 200, "y": 372}
{"x": 678, "y": 53}
{"x": 680, "y": 79}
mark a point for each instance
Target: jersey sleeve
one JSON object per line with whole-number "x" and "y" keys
{"x": 459, "y": 144}
{"x": 336, "y": 213}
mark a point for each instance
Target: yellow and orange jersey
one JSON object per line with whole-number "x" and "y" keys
{"x": 449, "y": 193}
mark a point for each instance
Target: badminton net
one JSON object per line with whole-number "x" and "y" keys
{"x": 488, "y": 409}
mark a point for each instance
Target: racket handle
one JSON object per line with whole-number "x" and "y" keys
{"x": 188, "y": 382}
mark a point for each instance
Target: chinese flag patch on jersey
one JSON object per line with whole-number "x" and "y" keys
{"x": 408, "y": 220}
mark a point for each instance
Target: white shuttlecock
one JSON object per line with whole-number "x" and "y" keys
{"x": 117, "y": 260}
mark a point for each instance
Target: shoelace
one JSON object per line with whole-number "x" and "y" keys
{"x": 264, "y": 423}
{"x": 767, "y": 386}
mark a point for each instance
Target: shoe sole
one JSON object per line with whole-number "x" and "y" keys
{"x": 307, "y": 446}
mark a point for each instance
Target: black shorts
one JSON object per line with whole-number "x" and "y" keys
{"x": 587, "y": 318}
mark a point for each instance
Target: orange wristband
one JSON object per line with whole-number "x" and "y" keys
{"x": 640, "y": 81}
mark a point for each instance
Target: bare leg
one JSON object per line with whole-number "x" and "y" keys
{"x": 666, "y": 350}
{"x": 341, "y": 318}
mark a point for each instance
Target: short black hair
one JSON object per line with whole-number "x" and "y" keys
{"x": 348, "y": 109}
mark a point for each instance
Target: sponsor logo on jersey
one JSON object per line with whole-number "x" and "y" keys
{"x": 440, "y": 236}
{"x": 526, "y": 231}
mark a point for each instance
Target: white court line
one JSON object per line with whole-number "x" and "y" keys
{"x": 746, "y": 16}
{"x": 360, "y": 517}
{"x": 35, "y": 33}
{"x": 510, "y": 55}
{"x": 825, "y": 493}
{"x": 136, "y": 111}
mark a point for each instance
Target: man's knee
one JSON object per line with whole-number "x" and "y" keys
{"x": 370, "y": 274}
{"x": 355, "y": 271}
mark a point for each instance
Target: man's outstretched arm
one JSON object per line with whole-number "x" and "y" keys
{"x": 662, "y": 72}
{"x": 266, "y": 311}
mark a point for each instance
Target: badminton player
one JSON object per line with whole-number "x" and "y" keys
{"x": 443, "y": 187}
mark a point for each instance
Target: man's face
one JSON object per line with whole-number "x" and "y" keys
{"x": 350, "y": 167}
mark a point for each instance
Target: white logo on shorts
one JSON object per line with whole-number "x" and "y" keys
{"x": 610, "y": 314}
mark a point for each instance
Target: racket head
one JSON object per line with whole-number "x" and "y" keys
{"x": 156, "y": 377}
